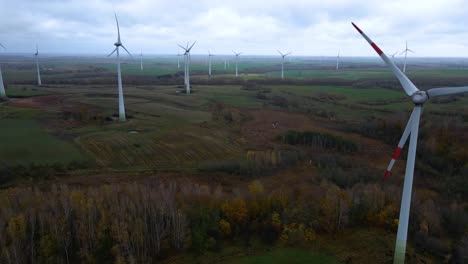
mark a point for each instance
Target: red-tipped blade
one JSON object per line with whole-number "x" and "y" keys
{"x": 408, "y": 86}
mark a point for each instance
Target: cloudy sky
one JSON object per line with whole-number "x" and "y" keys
{"x": 437, "y": 28}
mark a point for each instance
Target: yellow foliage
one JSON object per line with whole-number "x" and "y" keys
{"x": 256, "y": 187}
{"x": 296, "y": 234}
{"x": 17, "y": 227}
{"x": 235, "y": 210}
{"x": 276, "y": 220}
{"x": 225, "y": 227}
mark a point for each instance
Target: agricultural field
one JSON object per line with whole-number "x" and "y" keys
{"x": 249, "y": 142}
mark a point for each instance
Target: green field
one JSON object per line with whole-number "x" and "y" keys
{"x": 24, "y": 141}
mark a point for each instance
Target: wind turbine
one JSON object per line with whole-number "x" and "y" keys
{"x": 338, "y": 60}
{"x": 119, "y": 44}
{"x": 209, "y": 63}
{"x": 393, "y": 56}
{"x": 2, "y": 88}
{"x": 282, "y": 63}
{"x": 411, "y": 131}
{"x": 187, "y": 60}
{"x": 237, "y": 59}
{"x": 141, "y": 60}
{"x": 178, "y": 59}
{"x": 39, "y": 82}
{"x": 406, "y": 55}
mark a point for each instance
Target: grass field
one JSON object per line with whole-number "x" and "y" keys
{"x": 24, "y": 141}
{"x": 169, "y": 122}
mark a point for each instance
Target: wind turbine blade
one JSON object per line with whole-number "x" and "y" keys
{"x": 411, "y": 51}
{"x": 112, "y": 52}
{"x": 394, "y": 53}
{"x": 118, "y": 28}
{"x": 192, "y": 45}
{"x": 127, "y": 51}
{"x": 2, "y": 46}
{"x": 182, "y": 47}
{"x": 403, "y": 52}
{"x": 408, "y": 86}
{"x": 289, "y": 53}
{"x": 234, "y": 52}
{"x": 280, "y": 53}
{"x": 401, "y": 144}
{"x": 435, "y": 92}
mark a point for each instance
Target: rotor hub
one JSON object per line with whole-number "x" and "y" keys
{"x": 419, "y": 97}
{"x": 118, "y": 44}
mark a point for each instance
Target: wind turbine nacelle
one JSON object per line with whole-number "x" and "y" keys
{"x": 419, "y": 97}
{"x": 118, "y": 44}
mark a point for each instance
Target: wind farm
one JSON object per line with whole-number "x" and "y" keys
{"x": 288, "y": 156}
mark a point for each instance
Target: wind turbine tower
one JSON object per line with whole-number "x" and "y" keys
{"x": 117, "y": 45}
{"x": 187, "y": 60}
{"x": 209, "y": 63}
{"x": 237, "y": 60}
{"x": 406, "y": 55}
{"x": 141, "y": 60}
{"x": 2, "y": 88}
{"x": 338, "y": 60}
{"x": 282, "y": 63}
{"x": 39, "y": 82}
{"x": 419, "y": 98}
{"x": 178, "y": 59}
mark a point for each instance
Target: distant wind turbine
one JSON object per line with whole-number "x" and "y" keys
{"x": 119, "y": 44}
{"x": 2, "y": 88}
{"x": 178, "y": 59}
{"x": 338, "y": 60}
{"x": 225, "y": 63}
{"x": 209, "y": 63}
{"x": 406, "y": 55}
{"x": 141, "y": 60}
{"x": 393, "y": 55}
{"x": 237, "y": 60}
{"x": 187, "y": 60}
{"x": 282, "y": 63}
{"x": 39, "y": 82}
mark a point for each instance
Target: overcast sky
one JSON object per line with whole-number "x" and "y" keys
{"x": 437, "y": 28}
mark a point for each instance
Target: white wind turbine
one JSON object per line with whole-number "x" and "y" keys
{"x": 338, "y": 60}
{"x": 282, "y": 62}
{"x": 393, "y": 56}
{"x": 209, "y": 63}
{"x": 141, "y": 60}
{"x": 237, "y": 60}
{"x": 39, "y": 82}
{"x": 178, "y": 59}
{"x": 2, "y": 88}
{"x": 406, "y": 55}
{"x": 187, "y": 60}
{"x": 119, "y": 44}
{"x": 411, "y": 131}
